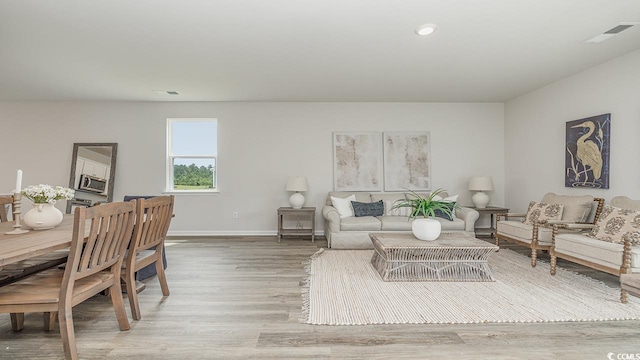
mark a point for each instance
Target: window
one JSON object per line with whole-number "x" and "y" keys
{"x": 192, "y": 149}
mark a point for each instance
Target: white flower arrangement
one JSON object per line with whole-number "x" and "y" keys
{"x": 41, "y": 194}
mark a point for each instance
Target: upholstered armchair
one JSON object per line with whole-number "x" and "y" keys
{"x": 534, "y": 231}
{"x": 611, "y": 244}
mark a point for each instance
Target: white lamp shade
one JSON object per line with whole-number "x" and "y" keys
{"x": 481, "y": 183}
{"x": 297, "y": 183}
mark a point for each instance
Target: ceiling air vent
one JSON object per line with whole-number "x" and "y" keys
{"x": 166, "y": 92}
{"x": 618, "y": 29}
{"x": 611, "y": 32}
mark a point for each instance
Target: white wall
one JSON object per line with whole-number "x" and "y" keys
{"x": 260, "y": 145}
{"x": 535, "y": 131}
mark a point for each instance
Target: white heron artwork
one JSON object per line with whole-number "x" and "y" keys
{"x": 587, "y": 152}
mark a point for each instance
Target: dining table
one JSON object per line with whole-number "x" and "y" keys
{"x": 15, "y": 248}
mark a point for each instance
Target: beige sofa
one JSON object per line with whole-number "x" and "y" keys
{"x": 613, "y": 258}
{"x": 353, "y": 232}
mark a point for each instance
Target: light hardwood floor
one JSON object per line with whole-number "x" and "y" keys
{"x": 239, "y": 298}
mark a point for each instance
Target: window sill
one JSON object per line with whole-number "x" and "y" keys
{"x": 191, "y": 192}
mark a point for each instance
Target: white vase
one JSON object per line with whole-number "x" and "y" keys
{"x": 42, "y": 217}
{"x": 426, "y": 229}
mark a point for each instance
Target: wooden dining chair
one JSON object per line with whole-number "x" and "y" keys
{"x": 100, "y": 238}
{"x": 5, "y": 200}
{"x": 21, "y": 269}
{"x": 153, "y": 217}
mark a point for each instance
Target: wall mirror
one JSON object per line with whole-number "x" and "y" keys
{"x": 93, "y": 169}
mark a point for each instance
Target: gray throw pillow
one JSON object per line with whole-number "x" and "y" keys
{"x": 441, "y": 214}
{"x": 368, "y": 209}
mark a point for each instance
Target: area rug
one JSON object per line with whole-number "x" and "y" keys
{"x": 344, "y": 289}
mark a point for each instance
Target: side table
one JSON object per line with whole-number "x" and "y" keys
{"x": 305, "y": 212}
{"x": 491, "y": 230}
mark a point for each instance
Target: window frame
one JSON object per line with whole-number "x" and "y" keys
{"x": 170, "y": 157}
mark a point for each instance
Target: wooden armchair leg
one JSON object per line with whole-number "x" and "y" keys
{"x": 534, "y": 257}
{"x": 17, "y": 321}
{"x": 623, "y": 296}
{"x": 50, "y": 320}
{"x": 554, "y": 260}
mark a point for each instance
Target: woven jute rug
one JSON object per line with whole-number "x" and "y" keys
{"x": 344, "y": 289}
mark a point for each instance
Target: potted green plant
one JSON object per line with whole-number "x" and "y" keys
{"x": 422, "y": 208}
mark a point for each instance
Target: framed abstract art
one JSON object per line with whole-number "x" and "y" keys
{"x": 357, "y": 161}
{"x": 407, "y": 161}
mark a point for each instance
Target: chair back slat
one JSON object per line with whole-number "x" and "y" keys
{"x": 5, "y": 200}
{"x": 153, "y": 217}
{"x": 109, "y": 229}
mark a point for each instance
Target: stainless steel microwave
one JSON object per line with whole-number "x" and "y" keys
{"x": 92, "y": 183}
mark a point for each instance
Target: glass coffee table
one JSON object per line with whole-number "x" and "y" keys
{"x": 454, "y": 256}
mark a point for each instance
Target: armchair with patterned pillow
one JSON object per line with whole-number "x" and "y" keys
{"x": 611, "y": 244}
{"x": 534, "y": 230}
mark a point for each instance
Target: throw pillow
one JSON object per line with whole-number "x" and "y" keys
{"x": 441, "y": 214}
{"x": 616, "y": 225}
{"x": 543, "y": 211}
{"x": 402, "y": 211}
{"x": 368, "y": 209}
{"x": 343, "y": 205}
{"x": 452, "y": 198}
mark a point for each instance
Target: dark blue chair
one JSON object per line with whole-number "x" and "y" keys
{"x": 150, "y": 270}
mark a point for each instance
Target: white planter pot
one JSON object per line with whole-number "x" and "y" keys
{"x": 426, "y": 229}
{"x": 42, "y": 217}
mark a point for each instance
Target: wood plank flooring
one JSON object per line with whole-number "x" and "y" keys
{"x": 239, "y": 298}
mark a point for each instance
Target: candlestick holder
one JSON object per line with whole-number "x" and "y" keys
{"x": 17, "y": 197}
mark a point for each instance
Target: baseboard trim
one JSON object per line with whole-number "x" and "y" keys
{"x": 227, "y": 233}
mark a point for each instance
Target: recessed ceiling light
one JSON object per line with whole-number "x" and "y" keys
{"x": 426, "y": 29}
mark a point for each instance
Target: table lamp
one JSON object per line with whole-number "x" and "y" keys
{"x": 480, "y": 184}
{"x": 297, "y": 184}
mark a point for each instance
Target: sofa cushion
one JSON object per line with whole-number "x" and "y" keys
{"x": 524, "y": 232}
{"x": 389, "y": 200}
{"x": 597, "y": 251}
{"x": 368, "y": 209}
{"x": 395, "y": 223}
{"x": 402, "y": 223}
{"x": 616, "y": 225}
{"x": 576, "y": 208}
{"x": 542, "y": 211}
{"x": 364, "y": 223}
{"x": 451, "y": 225}
{"x": 343, "y": 205}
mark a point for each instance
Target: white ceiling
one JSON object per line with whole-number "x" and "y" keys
{"x": 301, "y": 50}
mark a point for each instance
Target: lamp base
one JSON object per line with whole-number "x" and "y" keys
{"x": 480, "y": 200}
{"x": 296, "y": 200}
